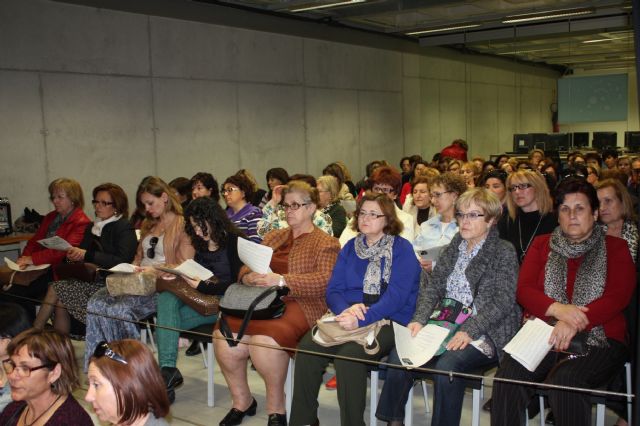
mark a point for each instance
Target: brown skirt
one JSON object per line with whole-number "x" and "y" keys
{"x": 286, "y": 330}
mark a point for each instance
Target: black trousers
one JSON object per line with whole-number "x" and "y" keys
{"x": 570, "y": 408}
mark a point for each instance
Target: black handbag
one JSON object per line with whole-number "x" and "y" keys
{"x": 248, "y": 302}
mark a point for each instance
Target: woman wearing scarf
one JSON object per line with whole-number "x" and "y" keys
{"x": 110, "y": 241}
{"x": 479, "y": 271}
{"x": 376, "y": 277}
{"x": 581, "y": 279}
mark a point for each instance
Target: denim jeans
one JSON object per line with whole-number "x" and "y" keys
{"x": 448, "y": 395}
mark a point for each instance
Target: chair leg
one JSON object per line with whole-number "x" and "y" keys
{"x": 151, "y": 339}
{"x": 542, "y": 416}
{"x": 373, "y": 397}
{"x": 204, "y": 357}
{"x": 600, "y": 414}
{"x": 627, "y": 369}
{"x": 288, "y": 386}
{"x": 210, "y": 367}
{"x": 425, "y": 394}
{"x": 408, "y": 409}
{"x": 475, "y": 417}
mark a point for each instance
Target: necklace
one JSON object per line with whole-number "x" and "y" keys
{"x": 43, "y": 413}
{"x": 522, "y": 248}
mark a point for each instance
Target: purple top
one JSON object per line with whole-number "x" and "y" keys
{"x": 247, "y": 221}
{"x": 69, "y": 413}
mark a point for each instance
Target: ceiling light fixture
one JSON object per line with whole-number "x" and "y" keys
{"x": 443, "y": 29}
{"x": 597, "y": 40}
{"x": 541, "y": 16}
{"x": 326, "y": 5}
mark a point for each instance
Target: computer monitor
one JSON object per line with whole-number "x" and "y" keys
{"x": 522, "y": 143}
{"x": 540, "y": 140}
{"x": 632, "y": 141}
{"x": 580, "y": 139}
{"x": 557, "y": 142}
{"x": 604, "y": 140}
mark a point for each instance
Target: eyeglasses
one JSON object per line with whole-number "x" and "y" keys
{"x": 382, "y": 189}
{"x": 471, "y": 216}
{"x": 520, "y": 186}
{"x": 21, "y": 370}
{"x": 369, "y": 215}
{"x": 293, "y": 206}
{"x": 103, "y": 349}
{"x": 151, "y": 251}
{"x": 438, "y": 194}
{"x": 102, "y": 203}
{"x": 229, "y": 190}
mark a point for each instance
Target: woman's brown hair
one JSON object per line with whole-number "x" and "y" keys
{"x": 155, "y": 186}
{"x": 71, "y": 188}
{"x": 52, "y": 348}
{"x": 309, "y": 193}
{"x": 117, "y": 194}
{"x": 138, "y": 384}
{"x": 394, "y": 225}
{"x": 628, "y": 212}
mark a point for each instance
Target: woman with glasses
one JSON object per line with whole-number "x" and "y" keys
{"x": 530, "y": 210}
{"x": 440, "y": 229}
{"x": 303, "y": 258}
{"x": 376, "y": 277}
{"x": 43, "y": 374}
{"x": 384, "y": 180}
{"x": 478, "y": 270}
{"x": 110, "y": 241}
{"x": 163, "y": 241}
{"x": 237, "y": 192}
{"x": 66, "y": 221}
{"x": 579, "y": 280}
{"x": 125, "y": 385}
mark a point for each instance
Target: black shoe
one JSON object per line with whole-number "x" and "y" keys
{"x": 171, "y": 393}
{"x": 194, "y": 349}
{"x": 235, "y": 416}
{"x": 487, "y": 406}
{"x": 172, "y": 377}
{"x": 550, "y": 419}
{"x": 277, "y": 420}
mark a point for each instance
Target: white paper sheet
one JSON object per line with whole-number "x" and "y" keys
{"x": 416, "y": 351}
{"x": 125, "y": 268}
{"x": 256, "y": 256}
{"x": 55, "y": 243}
{"x": 14, "y": 266}
{"x": 531, "y": 344}
{"x": 190, "y": 269}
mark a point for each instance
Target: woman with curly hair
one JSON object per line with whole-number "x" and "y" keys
{"x": 215, "y": 239}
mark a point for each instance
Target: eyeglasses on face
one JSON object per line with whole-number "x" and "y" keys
{"x": 151, "y": 251}
{"x": 229, "y": 190}
{"x": 520, "y": 186}
{"x": 293, "y": 206}
{"x": 21, "y": 370}
{"x": 438, "y": 194}
{"x": 103, "y": 349}
{"x": 102, "y": 203}
{"x": 471, "y": 216}
{"x": 369, "y": 215}
{"x": 382, "y": 189}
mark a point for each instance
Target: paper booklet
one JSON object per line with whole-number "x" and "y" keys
{"x": 55, "y": 243}
{"x": 188, "y": 269}
{"x": 14, "y": 266}
{"x": 531, "y": 344}
{"x": 123, "y": 268}
{"x": 432, "y": 253}
{"x": 416, "y": 351}
{"x": 256, "y": 256}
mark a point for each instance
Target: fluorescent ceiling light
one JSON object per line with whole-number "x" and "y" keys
{"x": 326, "y": 5}
{"x": 516, "y": 52}
{"x": 597, "y": 40}
{"x": 541, "y": 16}
{"x": 438, "y": 30}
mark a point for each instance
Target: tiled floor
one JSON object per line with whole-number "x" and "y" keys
{"x": 191, "y": 407}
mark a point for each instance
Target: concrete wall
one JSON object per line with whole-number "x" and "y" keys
{"x": 100, "y": 95}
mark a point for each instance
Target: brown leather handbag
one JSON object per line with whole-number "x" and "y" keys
{"x": 204, "y": 304}
{"x": 9, "y": 277}
{"x": 81, "y": 271}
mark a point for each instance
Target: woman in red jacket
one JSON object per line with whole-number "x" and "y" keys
{"x": 66, "y": 221}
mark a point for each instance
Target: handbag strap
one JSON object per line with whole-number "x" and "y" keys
{"x": 224, "y": 327}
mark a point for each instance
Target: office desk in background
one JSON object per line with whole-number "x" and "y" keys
{"x": 12, "y": 245}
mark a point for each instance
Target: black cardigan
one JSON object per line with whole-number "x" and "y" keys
{"x": 117, "y": 244}
{"x": 218, "y": 288}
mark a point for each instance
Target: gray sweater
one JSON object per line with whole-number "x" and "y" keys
{"x": 493, "y": 274}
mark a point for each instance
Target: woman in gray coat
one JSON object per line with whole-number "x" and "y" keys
{"x": 480, "y": 271}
